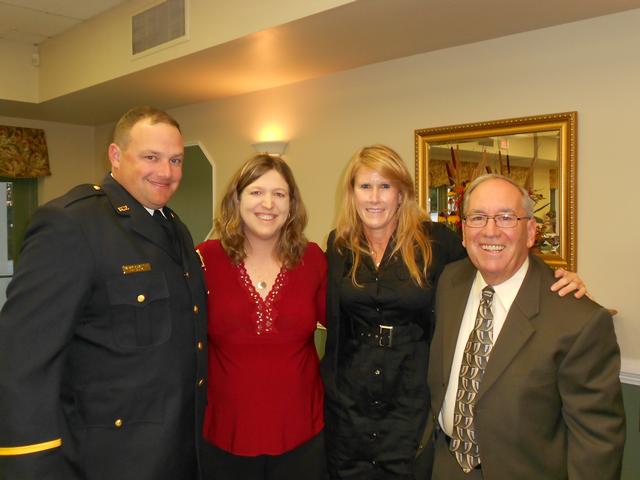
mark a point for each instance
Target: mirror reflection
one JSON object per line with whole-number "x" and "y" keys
{"x": 537, "y": 152}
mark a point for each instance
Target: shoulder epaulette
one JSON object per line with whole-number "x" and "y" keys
{"x": 81, "y": 192}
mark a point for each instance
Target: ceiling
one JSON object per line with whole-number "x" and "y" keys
{"x": 33, "y": 21}
{"x": 353, "y": 35}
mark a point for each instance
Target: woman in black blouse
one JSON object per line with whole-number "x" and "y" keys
{"x": 384, "y": 261}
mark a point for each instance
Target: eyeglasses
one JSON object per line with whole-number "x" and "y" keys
{"x": 504, "y": 220}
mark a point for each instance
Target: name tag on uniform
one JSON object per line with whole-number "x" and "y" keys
{"x": 136, "y": 268}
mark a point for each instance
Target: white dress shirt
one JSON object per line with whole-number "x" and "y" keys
{"x": 505, "y": 294}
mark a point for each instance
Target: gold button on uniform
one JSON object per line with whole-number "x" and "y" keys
{"x": 201, "y": 382}
{"x": 97, "y": 187}
{"x": 118, "y": 422}
{"x": 141, "y": 298}
{"x": 195, "y": 309}
{"x": 186, "y": 275}
{"x": 200, "y": 345}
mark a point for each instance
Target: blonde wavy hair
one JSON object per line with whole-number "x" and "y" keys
{"x": 410, "y": 238}
{"x": 228, "y": 224}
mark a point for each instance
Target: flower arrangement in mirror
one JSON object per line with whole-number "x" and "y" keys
{"x": 457, "y": 186}
{"x": 546, "y": 238}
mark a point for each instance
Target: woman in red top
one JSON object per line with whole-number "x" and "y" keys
{"x": 266, "y": 292}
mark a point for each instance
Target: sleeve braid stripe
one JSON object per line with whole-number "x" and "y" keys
{"x": 25, "y": 449}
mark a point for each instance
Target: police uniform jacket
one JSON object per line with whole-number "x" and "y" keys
{"x": 102, "y": 345}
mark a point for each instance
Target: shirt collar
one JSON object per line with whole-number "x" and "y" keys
{"x": 507, "y": 290}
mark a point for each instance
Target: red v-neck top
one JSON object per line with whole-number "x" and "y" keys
{"x": 265, "y": 393}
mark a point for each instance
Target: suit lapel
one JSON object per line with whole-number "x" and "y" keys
{"x": 135, "y": 217}
{"x": 143, "y": 224}
{"x": 516, "y": 330}
{"x": 184, "y": 237}
{"x": 452, "y": 313}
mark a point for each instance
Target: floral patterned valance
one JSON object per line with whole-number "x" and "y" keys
{"x": 23, "y": 153}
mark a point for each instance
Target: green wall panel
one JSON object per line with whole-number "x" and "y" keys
{"x": 631, "y": 461}
{"x": 194, "y": 199}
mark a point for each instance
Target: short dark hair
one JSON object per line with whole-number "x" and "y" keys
{"x": 136, "y": 114}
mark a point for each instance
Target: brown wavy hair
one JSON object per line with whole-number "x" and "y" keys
{"x": 410, "y": 237}
{"x": 292, "y": 242}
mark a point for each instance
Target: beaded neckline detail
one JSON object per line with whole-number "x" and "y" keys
{"x": 264, "y": 314}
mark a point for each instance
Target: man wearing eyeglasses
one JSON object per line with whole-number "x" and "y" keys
{"x": 524, "y": 383}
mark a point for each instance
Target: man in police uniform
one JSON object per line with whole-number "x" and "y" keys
{"x": 102, "y": 336}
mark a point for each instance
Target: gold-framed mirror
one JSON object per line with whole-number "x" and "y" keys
{"x": 538, "y": 152}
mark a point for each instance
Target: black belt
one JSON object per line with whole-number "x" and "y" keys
{"x": 378, "y": 336}
{"x": 386, "y": 335}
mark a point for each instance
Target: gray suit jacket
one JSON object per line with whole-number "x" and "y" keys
{"x": 550, "y": 403}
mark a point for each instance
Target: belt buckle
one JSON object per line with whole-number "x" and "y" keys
{"x": 385, "y": 332}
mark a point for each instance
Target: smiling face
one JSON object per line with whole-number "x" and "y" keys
{"x": 496, "y": 252}
{"x": 264, "y": 207}
{"x": 149, "y": 166}
{"x": 377, "y": 200}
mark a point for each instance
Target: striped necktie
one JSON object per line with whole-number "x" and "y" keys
{"x": 474, "y": 362}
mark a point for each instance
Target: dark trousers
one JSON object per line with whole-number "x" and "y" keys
{"x": 306, "y": 462}
{"x": 445, "y": 465}
{"x": 424, "y": 463}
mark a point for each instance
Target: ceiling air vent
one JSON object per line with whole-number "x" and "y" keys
{"x": 157, "y": 25}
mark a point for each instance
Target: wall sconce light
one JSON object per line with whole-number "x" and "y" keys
{"x": 275, "y": 149}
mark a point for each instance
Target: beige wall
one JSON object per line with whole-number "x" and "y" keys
{"x": 19, "y": 80}
{"x": 100, "y": 49}
{"x": 588, "y": 66}
{"x": 71, "y": 155}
